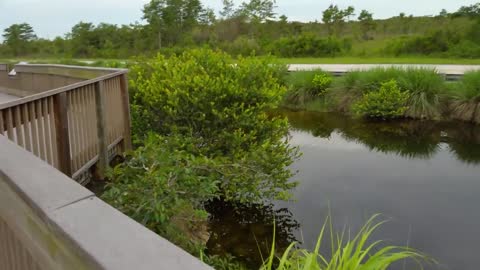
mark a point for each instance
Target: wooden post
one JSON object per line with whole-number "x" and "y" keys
{"x": 101, "y": 124}
{"x": 127, "y": 137}
{"x": 60, "y": 107}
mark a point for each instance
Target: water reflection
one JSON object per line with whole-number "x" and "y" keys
{"x": 422, "y": 175}
{"x": 246, "y": 231}
{"x": 406, "y": 138}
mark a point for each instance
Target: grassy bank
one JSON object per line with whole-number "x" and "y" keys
{"x": 387, "y": 93}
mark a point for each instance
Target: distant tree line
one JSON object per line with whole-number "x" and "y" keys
{"x": 253, "y": 27}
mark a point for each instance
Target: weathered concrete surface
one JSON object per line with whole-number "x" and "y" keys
{"x": 6, "y": 97}
{"x": 444, "y": 69}
{"x": 61, "y": 225}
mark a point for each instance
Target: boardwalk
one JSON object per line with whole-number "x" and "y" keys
{"x": 6, "y": 98}
{"x": 341, "y": 68}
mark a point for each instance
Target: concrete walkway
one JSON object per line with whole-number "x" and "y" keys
{"x": 444, "y": 69}
{"x": 6, "y": 98}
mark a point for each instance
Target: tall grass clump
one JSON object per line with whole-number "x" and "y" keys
{"x": 359, "y": 253}
{"x": 424, "y": 85}
{"x": 465, "y": 98}
{"x": 426, "y": 89}
{"x": 306, "y": 86}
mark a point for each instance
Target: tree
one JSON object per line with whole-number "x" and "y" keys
{"x": 367, "y": 23}
{"x": 83, "y": 40}
{"x": 334, "y": 18}
{"x": 468, "y": 11}
{"x": 228, "y": 10}
{"x": 443, "y": 13}
{"x": 258, "y": 10}
{"x": 170, "y": 20}
{"x": 17, "y": 37}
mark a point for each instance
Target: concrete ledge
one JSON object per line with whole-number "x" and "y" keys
{"x": 3, "y": 67}
{"x": 64, "y": 226}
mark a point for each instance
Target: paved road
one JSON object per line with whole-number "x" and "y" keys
{"x": 444, "y": 69}
{"x": 6, "y": 98}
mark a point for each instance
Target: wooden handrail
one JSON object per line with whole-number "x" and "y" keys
{"x": 74, "y": 127}
{"x": 61, "y": 89}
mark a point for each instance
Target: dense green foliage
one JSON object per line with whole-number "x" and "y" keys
{"x": 306, "y": 86}
{"x": 201, "y": 94}
{"x": 386, "y": 103}
{"x": 429, "y": 95}
{"x": 465, "y": 102}
{"x": 347, "y": 253}
{"x": 163, "y": 186}
{"x": 254, "y": 27}
{"x": 203, "y": 132}
{"x": 425, "y": 86}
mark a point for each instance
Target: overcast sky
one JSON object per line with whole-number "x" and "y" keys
{"x": 51, "y": 18}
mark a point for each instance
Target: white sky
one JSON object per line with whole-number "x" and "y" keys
{"x": 51, "y": 18}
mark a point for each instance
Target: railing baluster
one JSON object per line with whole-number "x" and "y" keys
{"x": 34, "y": 128}
{"x": 101, "y": 128}
{"x": 60, "y": 106}
{"x": 127, "y": 139}
{"x": 53, "y": 131}
{"x": 46, "y": 124}
{"x": 10, "y": 125}
{"x": 41, "y": 130}
{"x": 28, "y": 128}
{"x": 19, "y": 127}
{"x": 2, "y": 124}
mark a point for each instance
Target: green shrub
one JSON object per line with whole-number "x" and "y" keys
{"x": 310, "y": 45}
{"x": 321, "y": 83}
{"x": 306, "y": 86}
{"x": 465, "y": 49}
{"x": 426, "y": 89}
{"x": 163, "y": 186}
{"x": 387, "y": 103}
{"x": 436, "y": 42}
{"x": 347, "y": 254}
{"x": 200, "y": 94}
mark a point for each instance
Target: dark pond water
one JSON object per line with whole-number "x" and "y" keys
{"x": 422, "y": 176}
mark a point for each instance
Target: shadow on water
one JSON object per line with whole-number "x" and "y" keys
{"x": 405, "y": 138}
{"x": 246, "y": 231}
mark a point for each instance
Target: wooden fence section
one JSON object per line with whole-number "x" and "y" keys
{"x": 75, "y": 126}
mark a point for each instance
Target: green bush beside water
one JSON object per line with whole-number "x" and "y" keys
{"x": 202, "y": 131}
{"x": 429, "y": 95}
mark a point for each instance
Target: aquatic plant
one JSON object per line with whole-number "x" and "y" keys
{"x": 346, "y": 254}
{"x": 465, "y": 98}
{"x": 305, "y": 86}
{"x": 426, "y": 89}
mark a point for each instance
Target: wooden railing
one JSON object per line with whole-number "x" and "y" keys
{"x": 49, "y": 222}
{"x": 72, "y": 127}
